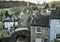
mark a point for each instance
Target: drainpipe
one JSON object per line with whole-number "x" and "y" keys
{"x": 49, "y": 28}
{"x": 14, "y": 22}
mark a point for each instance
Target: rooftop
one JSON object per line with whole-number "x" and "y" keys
{"x": 55, "y": 14}
{"x": 41, "y": 21}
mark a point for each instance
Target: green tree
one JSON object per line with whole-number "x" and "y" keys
{"x": 6, "y": 14}
{"x": 46, "y": 6}
{"x": 34, "y": 7}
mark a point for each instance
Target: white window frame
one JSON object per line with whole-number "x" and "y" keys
{"x": 38, "y": 40}
{"x": 36, "y": 30}
{"x": 56, "y": 36}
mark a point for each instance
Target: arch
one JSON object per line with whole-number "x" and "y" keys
{"x": 25, "y": 34}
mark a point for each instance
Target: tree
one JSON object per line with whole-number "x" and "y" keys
{"x": 34, "y": 7}
{"x": 6, "y": 14}
{"x": 46, "y": 6}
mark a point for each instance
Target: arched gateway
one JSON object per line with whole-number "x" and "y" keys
{"x": 22, "y": 35}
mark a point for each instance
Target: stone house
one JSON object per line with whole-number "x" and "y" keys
{"x": 40, "y": 29}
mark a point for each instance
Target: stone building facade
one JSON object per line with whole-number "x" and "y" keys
{"x": 40, "y": 29}
{"x": 42, "y": 36}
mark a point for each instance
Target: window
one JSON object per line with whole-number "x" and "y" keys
{"x": 38, "y": 40}
{"x": 58, "y": 36}
{"x": 59, "y": 22}
{"x": 38, "y": 30}
{"x": 38, "y": 35}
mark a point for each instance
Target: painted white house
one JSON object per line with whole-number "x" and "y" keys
{"x": 10, "y": 23}
{"x": 55, "y": 26}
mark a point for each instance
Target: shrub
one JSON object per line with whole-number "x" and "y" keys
{"x": 55, "y": 40}
{"x": 1, "y": 35}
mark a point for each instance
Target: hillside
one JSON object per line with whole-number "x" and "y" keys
{"x": 10, "y": 4}
{"x": 14, "y": 6}
{"x": 57, "y": 2}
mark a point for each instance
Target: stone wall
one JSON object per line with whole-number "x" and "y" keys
{"x": 44, "y": 33}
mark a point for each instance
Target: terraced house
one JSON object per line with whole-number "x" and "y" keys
{"x": 46, "y": 28}
{"x": 40, "y": 29}
{"x": 55, "y": 24}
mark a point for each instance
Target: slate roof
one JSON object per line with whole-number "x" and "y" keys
{"x": 41, "y": 21}
{"x": 55, "y": 14}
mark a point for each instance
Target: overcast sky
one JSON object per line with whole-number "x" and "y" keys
{"x": 40, "y": 1}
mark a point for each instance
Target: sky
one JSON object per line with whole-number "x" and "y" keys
{"x": 40, "y": 1}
